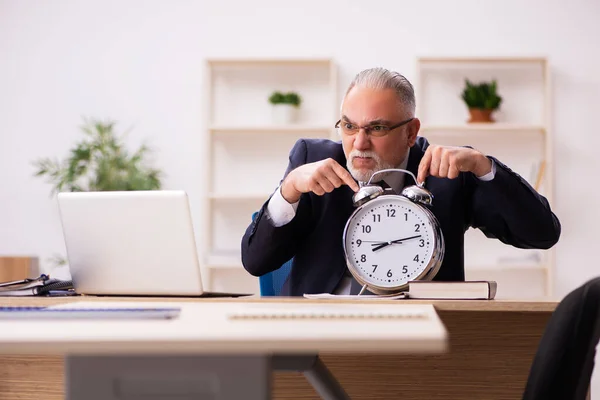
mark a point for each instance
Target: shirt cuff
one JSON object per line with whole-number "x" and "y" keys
{"x": 279, "y": 211}
{"x": 490, "y": 175}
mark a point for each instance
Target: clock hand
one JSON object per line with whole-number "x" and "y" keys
{"x": 397, "y": 241}
{"x": 381, "y": 246}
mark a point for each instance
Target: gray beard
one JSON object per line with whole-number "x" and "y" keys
{"x": 365, "y": 175}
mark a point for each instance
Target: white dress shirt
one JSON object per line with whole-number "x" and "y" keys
{"x": 280, "y": 212}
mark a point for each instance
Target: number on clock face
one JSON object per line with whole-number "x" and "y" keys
{"x": 390, "y": 241}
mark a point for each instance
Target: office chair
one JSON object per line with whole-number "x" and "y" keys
{"x": 272, "y": 282}
{"x": 311, "y": 366}
{"x": 563, "y": 364}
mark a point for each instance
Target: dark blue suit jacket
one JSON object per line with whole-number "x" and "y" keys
{"x": 506, "y": 208}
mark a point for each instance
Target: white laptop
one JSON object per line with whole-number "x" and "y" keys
{"x": 131, "y": 243}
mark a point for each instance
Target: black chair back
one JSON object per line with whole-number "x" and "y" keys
{"x": 564, "y": 361}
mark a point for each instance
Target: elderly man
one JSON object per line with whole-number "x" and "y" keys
{"x": 306, "y": 215}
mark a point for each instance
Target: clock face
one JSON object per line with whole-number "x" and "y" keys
{"x": 390, "y": 241}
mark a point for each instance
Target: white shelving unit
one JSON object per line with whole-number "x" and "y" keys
{"x": 484, "y": 128}
{"x": 289, "y": 129}
{"x": 248, "y": 153}
{"x": 521, "y": 137}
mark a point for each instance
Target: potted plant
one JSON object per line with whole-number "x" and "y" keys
{"x": 99, "y": 162}
{"x": 285, "y": 106}
{"x": 481, "y": 99}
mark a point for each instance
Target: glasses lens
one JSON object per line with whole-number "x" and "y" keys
{"x": 373, "y": 130}
{"x": 348, "y": 129}
{"x": 378, "y": 130}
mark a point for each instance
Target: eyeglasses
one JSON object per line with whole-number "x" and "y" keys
{"x": 376, "y": 130}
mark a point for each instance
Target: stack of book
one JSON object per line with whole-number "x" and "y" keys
{"x": 40, "y": 286}
{"x": 469, "y": 290}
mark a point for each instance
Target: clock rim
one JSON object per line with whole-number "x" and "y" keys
{"x": 429, "y": 272}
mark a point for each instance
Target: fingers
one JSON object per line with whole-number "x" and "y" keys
{"x": 319, "y": 184}
{"x": 453, "y": 172}
{"x": 332, "y": 178}
{"x": 344, "y": 175}
{"x": 444, "y": 165}
{"x": 424, "y": 166}
{"x": 436, "y": 160}
{"x": 317, "y": 189}
{"x": 328, "y": 181}
{"x": 328, "y": 176}
{"x": 443, "y": 162}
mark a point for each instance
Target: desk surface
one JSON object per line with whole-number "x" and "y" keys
{"x": 234, "y": 327}
{"x": 492, "y": 344}
{"x": 516, "y": 305}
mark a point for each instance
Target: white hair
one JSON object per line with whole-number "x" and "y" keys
{"x": 381, "y": 78}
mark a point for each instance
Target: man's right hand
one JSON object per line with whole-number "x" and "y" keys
{"x": 319, "y": 177}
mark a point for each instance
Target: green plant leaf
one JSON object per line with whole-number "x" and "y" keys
{"x": 292, "y": 98}
{"x": 100, "y": 162}
{"x": 481, "y": 95}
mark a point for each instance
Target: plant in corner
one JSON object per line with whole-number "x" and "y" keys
{"x": 481, "y": 99}
{"x": 285, "y": 106}
{"x": 99, "y": 162}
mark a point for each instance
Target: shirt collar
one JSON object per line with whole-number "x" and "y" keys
{"x": 396, "y": 179}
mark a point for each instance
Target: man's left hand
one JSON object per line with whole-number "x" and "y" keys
{"x": 448, "y": 162}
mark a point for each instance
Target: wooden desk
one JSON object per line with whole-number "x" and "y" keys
{"x": 492, "y": 344}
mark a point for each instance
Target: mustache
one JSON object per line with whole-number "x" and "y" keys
{"x": 363, "y": 154}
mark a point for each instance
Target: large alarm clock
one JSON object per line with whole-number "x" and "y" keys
{"x": 392, "y": 239}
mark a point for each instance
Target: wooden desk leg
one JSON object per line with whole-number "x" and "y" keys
{"x": 165, "y": 377}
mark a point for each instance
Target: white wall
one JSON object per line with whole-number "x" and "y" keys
{"x": 141, "y": 63}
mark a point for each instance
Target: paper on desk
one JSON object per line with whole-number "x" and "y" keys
{"x": 324, "y": 310}
{"x": 114, "y": 304}
{"x": 354, "y": 297}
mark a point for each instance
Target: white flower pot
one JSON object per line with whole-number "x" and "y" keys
{"x": 284, "y": 114}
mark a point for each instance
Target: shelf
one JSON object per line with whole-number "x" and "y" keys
{"x": 265, "y": 62}
{"x": 239, "y": 196}
{"x": 506, "y": 267}
{"x": 484, "y": 127}
{"x": 482, "y": 60}
{"x": 224, "y": 261}
{"x": 248, "y": 148}
{"x": 522, "y": 137}
{"x": 225, "y": 266}
{"x": 272, "y": 129}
